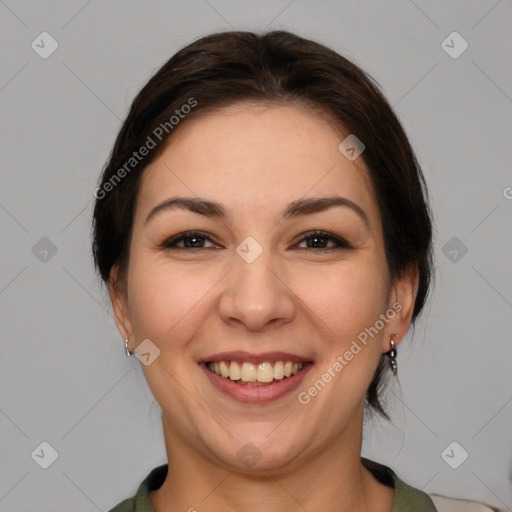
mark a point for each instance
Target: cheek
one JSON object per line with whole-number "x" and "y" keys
{"x": 347, "y": 302}
{"x": 347, "y": 298}
{"x": 166, "y": 297}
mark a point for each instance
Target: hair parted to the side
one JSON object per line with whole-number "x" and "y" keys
{"x": 282, "y": 68}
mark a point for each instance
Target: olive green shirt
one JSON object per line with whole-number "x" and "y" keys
{"x": 407, "y": 498}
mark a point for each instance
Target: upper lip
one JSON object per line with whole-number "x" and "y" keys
{"x": 254, "y": 358}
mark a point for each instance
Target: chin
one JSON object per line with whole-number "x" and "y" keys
{"x": 261, "y": 451}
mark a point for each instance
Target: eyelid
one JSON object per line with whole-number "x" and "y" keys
{"x": 167, "y": 243}
{"x": 339, "y": 241}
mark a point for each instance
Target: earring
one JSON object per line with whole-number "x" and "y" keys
{"x": 128, "y": 351}
{"x": 392, "y": 356}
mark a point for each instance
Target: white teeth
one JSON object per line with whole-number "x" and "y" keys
{"x": 224, "y": 370}
{"x": 248, "y": 372}
{"x": 278, "y": 370}
{"x": 265, "y": 372}
{"x": 234, "y": 371}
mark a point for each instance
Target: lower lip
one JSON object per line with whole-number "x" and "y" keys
{"x": 256, "y": 394}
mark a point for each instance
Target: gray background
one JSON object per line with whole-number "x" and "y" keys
{"x": 64, "y": 376}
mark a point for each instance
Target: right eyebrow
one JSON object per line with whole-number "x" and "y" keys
{"x": 192, "y": 204}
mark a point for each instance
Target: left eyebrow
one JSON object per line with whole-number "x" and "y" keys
{"x": 295, "y": 209}
{"x": 319, "y": 204}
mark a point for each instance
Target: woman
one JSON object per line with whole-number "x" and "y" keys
{"x": 264, "y": 230}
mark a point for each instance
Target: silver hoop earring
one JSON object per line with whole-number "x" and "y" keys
{"x": 128, "y": 351}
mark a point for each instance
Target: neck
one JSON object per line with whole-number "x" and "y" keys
{"x": 331, "y": 480}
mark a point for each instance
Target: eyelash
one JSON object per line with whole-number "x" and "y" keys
{"x": 170, "y": 243}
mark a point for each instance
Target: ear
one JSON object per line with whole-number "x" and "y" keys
{"x": 119, "y": 299}
{"x": 402, "y": 298}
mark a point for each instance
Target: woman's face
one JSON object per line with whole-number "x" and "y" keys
{"x": 257, "y": 287}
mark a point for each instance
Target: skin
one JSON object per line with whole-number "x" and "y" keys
{"x": 254, "y": 160}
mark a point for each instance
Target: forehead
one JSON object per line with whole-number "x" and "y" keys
{"x": 256, "y": 158}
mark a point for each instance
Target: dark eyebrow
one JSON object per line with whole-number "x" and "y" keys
{"x": 319, "y": 204}
{"x": 192, "y": 204}
{"x": 294, "y": 209}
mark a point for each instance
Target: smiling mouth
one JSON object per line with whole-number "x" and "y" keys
{"x": 262, "y": 374}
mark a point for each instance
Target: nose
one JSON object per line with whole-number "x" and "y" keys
{"x": 256, "y": 294}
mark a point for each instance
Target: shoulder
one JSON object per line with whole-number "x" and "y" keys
{"x": 127, "y": 505}
{"x": 410, "y": 498}
{"x": 407, "y": 497}
{"x": 141, "y": 501}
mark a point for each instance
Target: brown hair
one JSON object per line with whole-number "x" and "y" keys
{"x": 275, "y": 67}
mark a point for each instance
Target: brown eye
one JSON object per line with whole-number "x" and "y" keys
{"x": 190, "y": 239}
{"x": 319, "y": 240}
